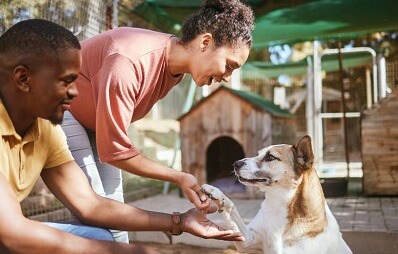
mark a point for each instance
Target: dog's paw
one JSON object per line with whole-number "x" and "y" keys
{"x": 218, "y": 197}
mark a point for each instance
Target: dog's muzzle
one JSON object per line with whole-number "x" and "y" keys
{"x": 237, "y": 168}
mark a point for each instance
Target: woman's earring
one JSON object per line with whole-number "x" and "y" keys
{"x": 202, "y": 49}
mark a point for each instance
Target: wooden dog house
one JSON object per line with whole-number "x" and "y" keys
{"x": 379, "y": 130}
{"x": 229, "y": 125}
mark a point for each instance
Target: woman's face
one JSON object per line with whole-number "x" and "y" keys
{"x": 210, "y": 64}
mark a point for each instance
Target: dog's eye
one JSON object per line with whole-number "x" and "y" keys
{"x": 269, "y": 157}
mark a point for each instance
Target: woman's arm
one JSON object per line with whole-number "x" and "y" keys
{"x": 143, "y": 166}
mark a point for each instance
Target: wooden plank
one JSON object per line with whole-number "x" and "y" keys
{"x": 381, "y": 189}
{"x": 382, "y": 116}
{"x": 378, "y": 152}
{"x": 376, "y": 138}
{"x": 385, "y": 175}
{"x": 388, "y": 145}
{"x": 376, "y": 123}
{"x": 381, "y": 131}
{"x": 380, "y": 158}
{"x": 380, "y": 179}
{"x": 380, "y": 167}
{"x": 376, "y": 181}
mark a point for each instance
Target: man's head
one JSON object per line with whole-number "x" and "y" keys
{"x": 39, "y": 62}
{"x": 37, "y": 37}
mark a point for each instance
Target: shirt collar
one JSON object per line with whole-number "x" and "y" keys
{"x": 7, "y": 127}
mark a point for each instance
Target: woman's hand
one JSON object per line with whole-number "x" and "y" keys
{"x": 194, "y": 221}
{"x": 189, "y": 185}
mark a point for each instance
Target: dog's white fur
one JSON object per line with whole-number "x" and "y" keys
{"x": 294, "y": 217}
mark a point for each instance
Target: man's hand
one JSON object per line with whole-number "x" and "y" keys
{"x": 195, "y": 222}
{"x": 189, "y": 185}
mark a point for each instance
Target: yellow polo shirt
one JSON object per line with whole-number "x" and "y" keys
{"x": 22, "y": 159}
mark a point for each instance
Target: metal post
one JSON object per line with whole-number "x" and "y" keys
{"x": 343, "y": 102}
{"x": 318, "y": 129}
{"x": 309, "y": 103}
{"x": 382, "y": 77}
{"x": 368, "y": 89}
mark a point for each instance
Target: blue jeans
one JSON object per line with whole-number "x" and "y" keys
{"x": 82, "y": 230}
{"x": 105, "y": 179}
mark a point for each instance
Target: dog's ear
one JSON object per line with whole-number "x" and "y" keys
{"x": 304, "y": 154}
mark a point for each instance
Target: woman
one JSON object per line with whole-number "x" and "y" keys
{"x": 125, "y": 71}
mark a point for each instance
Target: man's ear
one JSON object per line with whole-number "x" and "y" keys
{"x": 21, "y": 78}
{"x": 305, "y": 155}
{"x": 205, "y": 41}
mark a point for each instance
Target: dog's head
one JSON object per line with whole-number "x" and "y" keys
{"x": 281, "y": 165}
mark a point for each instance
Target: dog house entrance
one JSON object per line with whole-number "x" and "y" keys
{"x": 221, "y": 154}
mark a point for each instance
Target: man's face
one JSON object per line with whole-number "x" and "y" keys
{"x": 53, "y": 84}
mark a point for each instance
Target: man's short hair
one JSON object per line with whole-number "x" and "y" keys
{"x": 37, "y": 37}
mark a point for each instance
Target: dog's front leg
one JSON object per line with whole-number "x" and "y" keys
{"x": 232, "y": 217}
{"x": 273, "y": 245}
{"x": 251, "y": 238}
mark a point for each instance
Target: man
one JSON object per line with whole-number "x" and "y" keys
{"x": 39, "y": 63}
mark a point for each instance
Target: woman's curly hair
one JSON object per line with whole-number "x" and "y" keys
{"x": 229, "y": 21}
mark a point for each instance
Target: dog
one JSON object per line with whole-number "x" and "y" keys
{"x": 294, "y": 216}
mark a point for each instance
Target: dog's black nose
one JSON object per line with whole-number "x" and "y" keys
{"x": 239, "y": 164}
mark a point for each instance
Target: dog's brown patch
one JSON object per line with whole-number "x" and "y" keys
{"x": 306, "y": 211}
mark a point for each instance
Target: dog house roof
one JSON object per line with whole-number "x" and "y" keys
{"x": 254, "y": 99}
{"x": 384, "y": 105}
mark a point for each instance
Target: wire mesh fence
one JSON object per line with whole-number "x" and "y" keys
{"x": 392, "y": 74}
{"x": 85, "y": 18}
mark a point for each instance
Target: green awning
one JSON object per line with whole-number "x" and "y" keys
{"x": 329, "y": 64}
{"x": 168, "y": 15}
{"x": 280, "y": 22}
{"x": 325, "y": 19}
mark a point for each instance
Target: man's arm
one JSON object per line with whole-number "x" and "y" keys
{"x": 21, "y": 235}
{"x": 71, "y": 187}
{"x": 143, "y": 166}
{"x": 69, "y": 184}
